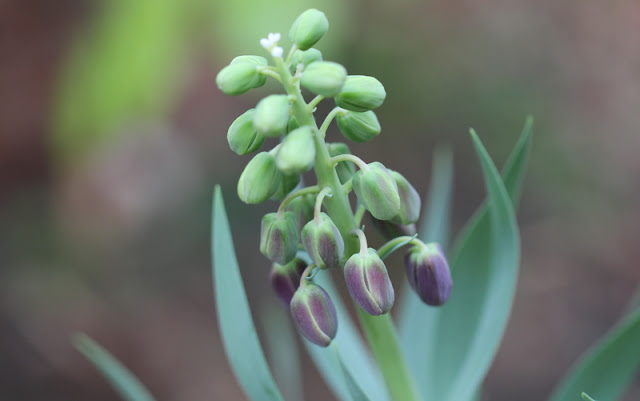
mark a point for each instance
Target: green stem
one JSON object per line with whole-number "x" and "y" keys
{"x": 300, "y": 192}
{"x": 379, "y": 330}
{"x": 327, "y": 121}
{"x": 392, "y": 245}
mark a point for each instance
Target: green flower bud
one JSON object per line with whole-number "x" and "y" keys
{"x": 302, "y": 207}
{"x": 279, "y": 237}
{"x": 260, "y": 179}
{"x": 345, "y": 170}
{"x": 304, "y": 57}
{"x": 361, "y": 93}
{"x": 323, "y": 242}
{"x": 410, "y": 203}
{"x": 287, "y": 184}
{"x": 239, "y": 78}
{"x": 292, "y": 124}
{"x": 314, "y": 314}
{"x": 272, "y": 115}
{"x": 258, "y": 62}
{"x": 359, "y": 127}
{"x": 324, "y": 78}
{"x": 297, "y": 152}
{"x": 368, "y": 282}
{"x": 377, "y": 191}
{"x": 242, "y": 137}
{"x": 308, "y": 28}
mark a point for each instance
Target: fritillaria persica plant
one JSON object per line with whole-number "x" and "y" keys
{"x": 444, "y": 339}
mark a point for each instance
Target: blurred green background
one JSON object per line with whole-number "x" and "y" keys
{"x": 112, "y": 135}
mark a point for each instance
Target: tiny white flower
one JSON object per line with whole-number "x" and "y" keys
{"x": 277, "y": 51}
{"x": 274, "y": 37}
{"x": 266, "y": 43}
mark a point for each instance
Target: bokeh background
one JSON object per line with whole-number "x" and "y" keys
{"x": 112, "y": 135}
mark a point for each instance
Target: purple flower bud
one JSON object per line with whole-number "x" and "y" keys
{"x": 314, "y": 314}
{"x": 429, "y": 274}
{"x": 285, "y": 279}
{"x": 323, "y": 242}
{"x": 279, "y": 237}
{"x": 368, "y": 282}
{"x": 389, "y": 230}
{"x": 410, "y": 204}
{"x": 377, "y": 191}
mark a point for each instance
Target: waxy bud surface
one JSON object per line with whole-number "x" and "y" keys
{"x": 357, "y": 126}
{"x": 428, "y": 273}
{"x": 345, "y": 169}
{"x": 259, "y": 179}
{"x": 410, "y": 204}
{"x": 377, "y": 191}
{"x": 272, "y": 115}
{"x": 242, "y": 137}
{"x": 314, "y": 314}
{"x": 324, "y": 78}
{"x": 239, "y": 78}
{"x": 279, "y": 237}
{"x": 297, "y": 152}
{"x": 323, "y": 242}
{"x": 308, "y": 28}
{"x": 368, "y": 282}
{"x": 258, "y": 62}
{"x": 361, "y": 93}
{"x": 285, "y": 279}
{"x": 304, "y": 57}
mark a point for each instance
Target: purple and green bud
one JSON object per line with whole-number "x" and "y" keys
{"x": 345, "y": 169}
{"x": 304, "y": 57}
{"x": 324, "y": 78}
{"x": 260, "y": 179}
{"x": 358, "y": 127}
{"x": 302, "y": 207}
{"x": 242, "y": 137}
{"x": 236, "y": 79}
{"x": 377, "y": 191}
{"x": 308, "y": 28}
{"x": 287, "y": 184}
{"x": 361, "y": 93}
{"x": 389, "y": 230}
{"x": 258, "y": 62}
{"x": 428, "y": 273}
{"x": 285, "y": 279}
{"x": 314, "y": 314}
{"x": 297, "y": 152}
{"x": 323, "y": 242}
{"x": 410, "y": 204}
{"x": 279, "y": 237}
{"x": 368, "y": 282}
{"x": 272, "y": 115}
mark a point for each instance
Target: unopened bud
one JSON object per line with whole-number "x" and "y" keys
{"x": 242, "y": 137}
{"x": 302, "y": 207}
{"x": 287, "y": 184}
{"x": 368, "y": 282}
{"x": 428, "y": 273}
{"x": 297, "y": 152}
{"x": 389, "y": 230}
{"x": 345, "y": 169}
{"x": 359, "y": 127}
{"x": 236, "y": 79}
{"x": 272, "y": 115}
{"x": 293, "y": 123}
{"x": 323, "y": 242}
{"x": 285, "y": 279}
{"x": 361, "y": 93}
{"x": 377, "y": 191}
{"x": 308, "y": 28}
{"x": 410, "y": 204}
{"x": 324, "y": 78}
{"x": 314, "y": 314}
{"x": 304, "y": 57}
{"x": 260, "y": 179}
{"x": 258, "y": 62}
{"x": 279, "y": 237}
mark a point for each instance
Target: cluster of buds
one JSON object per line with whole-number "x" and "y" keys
{"x": 300, "y": 239}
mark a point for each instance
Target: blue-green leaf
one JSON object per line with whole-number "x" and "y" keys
{"x": 586, "y": 397}
{"x": 356, "y": 392}
{"x": 122, "y": 380}
{"x": 608, "y": 367}
{"x": 349, "y": 344}
{"x": 239, "y": 335}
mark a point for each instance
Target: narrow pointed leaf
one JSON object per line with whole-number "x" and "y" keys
{"x": 239, "y": 335}
{"x": 586, "y": 397}
{"x": 608, "y": 367}
{"x": 356, "y": 392}
{"x": 122, "y": 380}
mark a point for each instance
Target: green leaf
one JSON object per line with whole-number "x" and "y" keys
{"x": 239, "y": 335}
{"x": 608, "y": 367}
{"x": 356, "y": 392}
{"x": 122, "y": 380}
{"x": 350, "y": 346}
{"x": 586, "y": 397}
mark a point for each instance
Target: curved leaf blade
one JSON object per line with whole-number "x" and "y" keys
{"x": 608, "y": 367}
{"x": 120, "y": 378}
{"x": 239, "y": 335}
{"x": 356, "y": 392}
